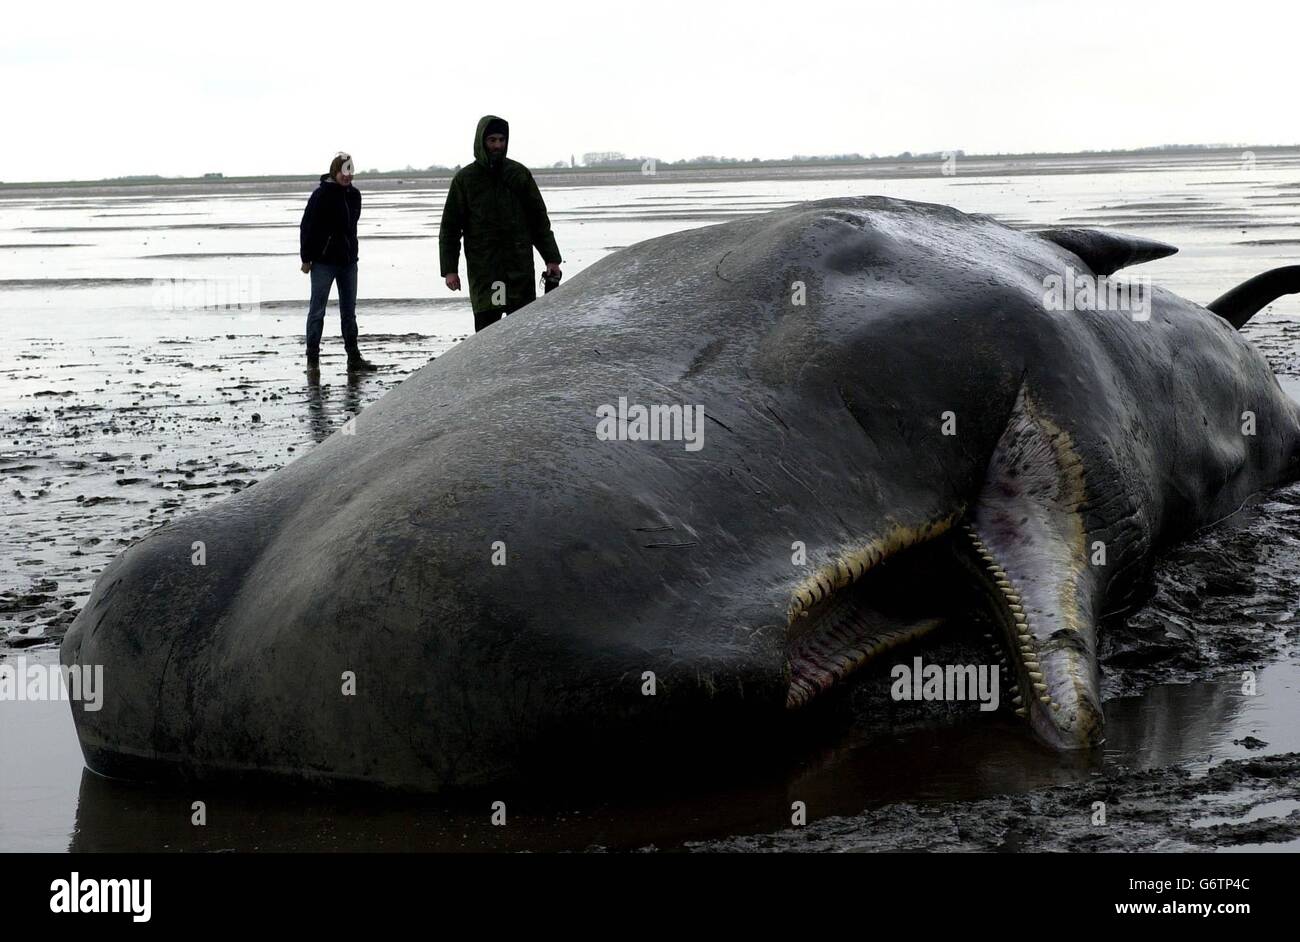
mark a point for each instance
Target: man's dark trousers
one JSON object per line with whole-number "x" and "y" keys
{"x": 488, "y": 318}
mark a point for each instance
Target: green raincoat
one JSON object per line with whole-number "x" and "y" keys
{"x": 500, "y": 214}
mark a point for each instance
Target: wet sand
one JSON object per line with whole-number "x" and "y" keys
{"x": 116, "y": 416}
{"x": 109, "y": 450}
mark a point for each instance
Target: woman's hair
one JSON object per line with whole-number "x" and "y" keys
{"x": 337, "y": 163}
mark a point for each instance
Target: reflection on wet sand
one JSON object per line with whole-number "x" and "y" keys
{"x": 1171, "y": 725}
{"x": 324, "y": 416}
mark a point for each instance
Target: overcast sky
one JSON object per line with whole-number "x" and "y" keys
{"x": 101, "y": 90}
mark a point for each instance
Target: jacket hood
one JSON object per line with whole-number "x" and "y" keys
{"x": 480, "y": 149}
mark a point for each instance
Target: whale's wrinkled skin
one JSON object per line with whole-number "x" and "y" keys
{"x": 897, "y": 428}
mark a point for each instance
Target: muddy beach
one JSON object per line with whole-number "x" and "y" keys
{"x": 119, "y": 413}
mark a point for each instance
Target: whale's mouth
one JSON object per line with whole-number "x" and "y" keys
{"x": 953, "y": 578}
{"x": 949, "y": 579}
{"x": 1016, "y": 561}
{"x": 889, "y": 602}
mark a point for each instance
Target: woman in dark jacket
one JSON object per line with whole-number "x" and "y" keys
{"x": 328, "y": 247}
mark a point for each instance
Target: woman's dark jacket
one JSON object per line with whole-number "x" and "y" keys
{"x": 329, "y": 224}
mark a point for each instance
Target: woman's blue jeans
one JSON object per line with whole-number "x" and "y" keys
{"x": 323, "y": 276}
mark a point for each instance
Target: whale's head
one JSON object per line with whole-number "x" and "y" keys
{"x": 689, "y": 493}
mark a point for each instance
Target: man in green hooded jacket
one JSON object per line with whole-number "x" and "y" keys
{"x": 495, "y": 205}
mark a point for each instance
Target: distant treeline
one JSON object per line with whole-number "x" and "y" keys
{"x": 615, "y": 162}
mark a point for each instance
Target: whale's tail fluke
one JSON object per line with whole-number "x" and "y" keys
{"x": 1244, "y": 301}
{"x": 1107, "y": 252}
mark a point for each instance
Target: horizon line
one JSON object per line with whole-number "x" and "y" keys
{"x": 723, "y": 162}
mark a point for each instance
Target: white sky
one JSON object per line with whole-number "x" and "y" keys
{"x": 98, "y": 90}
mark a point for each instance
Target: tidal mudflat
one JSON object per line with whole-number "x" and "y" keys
{"x": 153, "y": 366}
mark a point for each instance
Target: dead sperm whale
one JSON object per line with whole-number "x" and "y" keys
{"x": 516, "y": 547}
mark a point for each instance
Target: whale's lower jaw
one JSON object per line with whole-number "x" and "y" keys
{"x": 1018, "y": 555}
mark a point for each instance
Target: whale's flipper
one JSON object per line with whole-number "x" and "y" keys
{"x": 1244, "y": 301}
{"x": 1107, "y": 252}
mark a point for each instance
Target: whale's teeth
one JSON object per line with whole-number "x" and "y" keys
{"x": 1020, "y": 711}
{"x": 1040, "y": 686}
{"x": 840, "y": 632}
{"x": 1045, "y": 699}
{"x": 1016, "y": 609}
{"x": 1016, "y": 700}
{"x": 799, "y": 693}
{"x": 817, "y": 646}
{"x": 1035, "y": 675}
{"x": 843, "y": 660}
